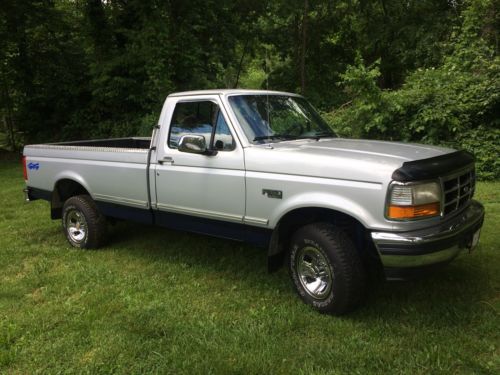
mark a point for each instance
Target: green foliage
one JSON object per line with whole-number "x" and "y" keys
{"x": 369, "y": 104}
{"x": 484, "y": 143}
{"x": 456, "y": 104}
{"x": 72, "y": 70}
{"x": 421, "y": 71}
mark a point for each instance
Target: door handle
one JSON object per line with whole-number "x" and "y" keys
{"x": 166, "y": 159}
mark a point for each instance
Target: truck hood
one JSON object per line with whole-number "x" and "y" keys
{"x": 350, "y": 159}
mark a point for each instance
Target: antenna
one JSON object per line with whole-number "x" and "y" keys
{"x": 240, "y": 66}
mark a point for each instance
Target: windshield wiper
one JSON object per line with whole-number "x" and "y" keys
{"x": 316, "y": 136}
{"x": 326, "y": 135}
{"x": 273, "y": 137}
{"x": 293, "y": 137}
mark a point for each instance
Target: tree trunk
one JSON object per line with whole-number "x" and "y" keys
{"x": 8, "y": 117}
{"x": 303, "y": 48}
{"x": 240, "y": 66}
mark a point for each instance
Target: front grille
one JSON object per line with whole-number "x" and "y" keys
{"x": 458, "y": 190}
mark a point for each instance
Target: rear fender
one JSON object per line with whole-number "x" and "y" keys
{"x": 67, "y": 184}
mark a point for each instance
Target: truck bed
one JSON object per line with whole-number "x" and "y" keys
{"x": 133, "y": 142}
{"x": 124, "y": 150}
{"x": 111, "y": 170}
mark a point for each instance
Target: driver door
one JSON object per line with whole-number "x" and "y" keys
{"x": 211, "y": 187}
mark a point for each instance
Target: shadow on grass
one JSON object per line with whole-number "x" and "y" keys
{"x": 450, "y": 297}
{"x": 162, "y": 243}
{"x": 225, "y": 257}
{"x": 453, "y": 297}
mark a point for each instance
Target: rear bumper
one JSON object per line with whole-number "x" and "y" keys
{"x": 405, "y": 252}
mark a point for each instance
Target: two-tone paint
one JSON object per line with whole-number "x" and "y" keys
{"x": 247, "y": 191}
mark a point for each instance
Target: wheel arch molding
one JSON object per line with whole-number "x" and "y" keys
{"x": 299, "y": 217}
{"x": 65, "y": 188}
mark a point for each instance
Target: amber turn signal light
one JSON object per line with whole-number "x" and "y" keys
{"x": 413, "y": 212}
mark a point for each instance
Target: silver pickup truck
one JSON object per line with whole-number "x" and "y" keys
{"x": 263, "y": 167}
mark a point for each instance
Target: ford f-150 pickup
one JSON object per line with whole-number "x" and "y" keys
{"x": 263, "y": 167}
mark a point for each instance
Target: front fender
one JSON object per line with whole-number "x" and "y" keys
{"x": 362, "y": 213}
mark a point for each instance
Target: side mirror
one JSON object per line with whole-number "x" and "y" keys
{"x": 194, "y": 144}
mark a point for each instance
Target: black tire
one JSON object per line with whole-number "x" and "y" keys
{"x": 326, "y": 268}
{"x": 83, "y": 224}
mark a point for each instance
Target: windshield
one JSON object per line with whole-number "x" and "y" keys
{"x": 274, "y": 118}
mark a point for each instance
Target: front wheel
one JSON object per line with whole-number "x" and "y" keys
{"x": 83, "y": 224}
{"x": 326, "y": 268}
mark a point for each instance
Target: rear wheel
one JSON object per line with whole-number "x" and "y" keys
{"x": 83, "y": 224}
{"x": 326, "y": 268}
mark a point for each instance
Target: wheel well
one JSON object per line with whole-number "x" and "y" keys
{"x": 293, "y": 220}
{"x": 63, "y": 190}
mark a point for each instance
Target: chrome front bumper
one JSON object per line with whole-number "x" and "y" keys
{"x": 437, "y": 244}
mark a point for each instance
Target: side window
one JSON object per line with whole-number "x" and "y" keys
{"x": 202, "y": 118}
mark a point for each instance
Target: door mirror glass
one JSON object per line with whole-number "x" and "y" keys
{"x": 194, "y": 144}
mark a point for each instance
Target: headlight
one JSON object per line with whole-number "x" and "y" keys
{"x": 414, "y": 201}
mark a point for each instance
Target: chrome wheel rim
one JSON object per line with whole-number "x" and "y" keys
{"x": 76, "y": 226}
{"x": 314, "y": 272}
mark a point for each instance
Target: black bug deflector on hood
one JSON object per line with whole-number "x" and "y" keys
{"x": 431, "y": 168}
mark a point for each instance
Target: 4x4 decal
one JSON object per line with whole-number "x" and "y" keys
{"x": 34, "y": 166}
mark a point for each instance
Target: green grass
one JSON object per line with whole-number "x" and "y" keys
{"x": 161, "y": 301}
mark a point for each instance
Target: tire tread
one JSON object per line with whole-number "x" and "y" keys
{"x": 96, "y": 222}
{"x": 349, "y": 271}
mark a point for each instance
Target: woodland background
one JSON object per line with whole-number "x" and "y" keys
{"x": 414, "y": 70}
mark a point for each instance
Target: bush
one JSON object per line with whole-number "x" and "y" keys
{"x": 456, "y": 104}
